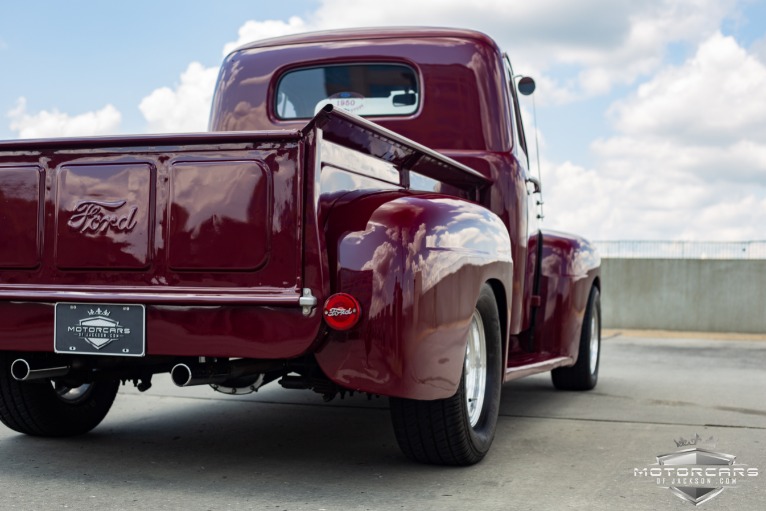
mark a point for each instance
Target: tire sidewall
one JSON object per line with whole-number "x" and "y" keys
{"x": 594, "y": 309}
{"x": 35, "y": 408}
{"x": 483, "y": 433}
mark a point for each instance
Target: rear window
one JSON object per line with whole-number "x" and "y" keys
{"x": 363, "y": 89}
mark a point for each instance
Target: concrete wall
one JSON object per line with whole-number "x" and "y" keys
{"x": 684, "y": 294}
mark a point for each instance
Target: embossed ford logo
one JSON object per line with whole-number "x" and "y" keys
{"x": 102, "y": 216}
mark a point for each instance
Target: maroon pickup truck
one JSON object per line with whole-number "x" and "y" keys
{"x": 313, "y": 238}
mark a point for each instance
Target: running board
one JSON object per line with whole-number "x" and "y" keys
{"x": 514, "y": 373}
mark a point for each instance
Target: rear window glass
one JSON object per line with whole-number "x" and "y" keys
{"x": 363, "y": 89}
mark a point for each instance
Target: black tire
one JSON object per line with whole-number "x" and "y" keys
{"x": 441, "y": 431}
{"x": 48, "y": 408}
{"x": 584, "y": 374}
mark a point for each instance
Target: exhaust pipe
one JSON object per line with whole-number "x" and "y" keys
{"x": 184, "y": 376}
{"x": 22, "y": 371}
{"x": 243, "y": 370}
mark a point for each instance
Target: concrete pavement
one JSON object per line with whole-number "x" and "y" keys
{"x": 194, "y": 449}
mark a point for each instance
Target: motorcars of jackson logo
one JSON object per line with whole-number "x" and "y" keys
{"x": 98, "y": 329}
{"x": 695, "y": 472}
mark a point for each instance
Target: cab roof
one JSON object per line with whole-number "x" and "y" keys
{"x": 355, "y": 34}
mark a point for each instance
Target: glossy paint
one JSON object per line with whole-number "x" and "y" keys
{"x": 465, "y": 111}
{"x": 414, "y": 260}
{"x": 460, "y": 74}
{"x": 416, "y": 263}
{"x": 21, "y": 197}
{"x": 467, "y": 114}
{"x": 569, "y": 268}
{"x": 200, "y": 228}
{"x": 220, "y": 234}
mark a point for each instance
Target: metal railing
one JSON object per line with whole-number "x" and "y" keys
{"x": 627, "y": 249}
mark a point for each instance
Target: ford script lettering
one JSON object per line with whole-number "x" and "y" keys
{"x": 339, "y": 311}
{"x": 102, "y": 216}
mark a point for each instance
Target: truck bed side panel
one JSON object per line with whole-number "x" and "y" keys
{"x": 416, "y": 264}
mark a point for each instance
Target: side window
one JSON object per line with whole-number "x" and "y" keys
{"x": 515, "y": 112}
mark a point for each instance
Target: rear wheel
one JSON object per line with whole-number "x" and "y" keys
{"x": 52, "y": 408}
{"x": 458, "y": 430}
{"x": 584, "y": 374}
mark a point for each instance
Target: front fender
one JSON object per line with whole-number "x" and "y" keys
{"x": 569, "y": 267}
{"x": 416, "y": 264}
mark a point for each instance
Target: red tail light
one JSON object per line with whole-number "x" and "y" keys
{"x": 341, "y": 311}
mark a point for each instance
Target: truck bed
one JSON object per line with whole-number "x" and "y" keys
{"x": 217, "y": 235}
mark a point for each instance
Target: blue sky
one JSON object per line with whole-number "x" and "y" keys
{"x": 651, "y": 115}
{"x": 77, "y": 56}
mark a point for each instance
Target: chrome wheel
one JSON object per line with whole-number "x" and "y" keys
{"x": 475, "y": 369}
{"x": 594, "y": 343}
{"x": 71, "y": 394}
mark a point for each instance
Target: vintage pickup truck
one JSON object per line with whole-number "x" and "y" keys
{"x": 313, "y": 238}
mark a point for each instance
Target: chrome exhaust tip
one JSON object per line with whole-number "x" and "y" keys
{"x": 235, "y": 374}
{"x": 181, "y": 374}
{"x": 22, "y": 371}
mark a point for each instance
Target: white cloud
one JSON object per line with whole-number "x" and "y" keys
{"x": 649, "y": 28}
{"x": 608, "y": 42}
{"x": 54, "y": 123}
{"x": 688, "y": 158}
{"x": 759, "y": 49}
{"x": 689, "y": 161}
{"x": 714, "y": 97}
{"x": 257, "y": 30}
{"x": 185, "y": 107}
{"x": 647, "y": 206}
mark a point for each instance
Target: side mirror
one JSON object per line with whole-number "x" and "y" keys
{"x": 526, "y": 85}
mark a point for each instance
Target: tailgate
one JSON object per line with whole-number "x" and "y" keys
{"x": 157, "y": 219}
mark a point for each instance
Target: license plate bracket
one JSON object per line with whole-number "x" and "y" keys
{"x": 100, "y": 329}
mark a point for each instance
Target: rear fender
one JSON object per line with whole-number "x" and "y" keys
{"x": 416, "y": 263}
{"x": 569, "y": 267}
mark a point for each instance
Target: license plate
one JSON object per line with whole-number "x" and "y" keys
{"x": 100, "y": 329}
